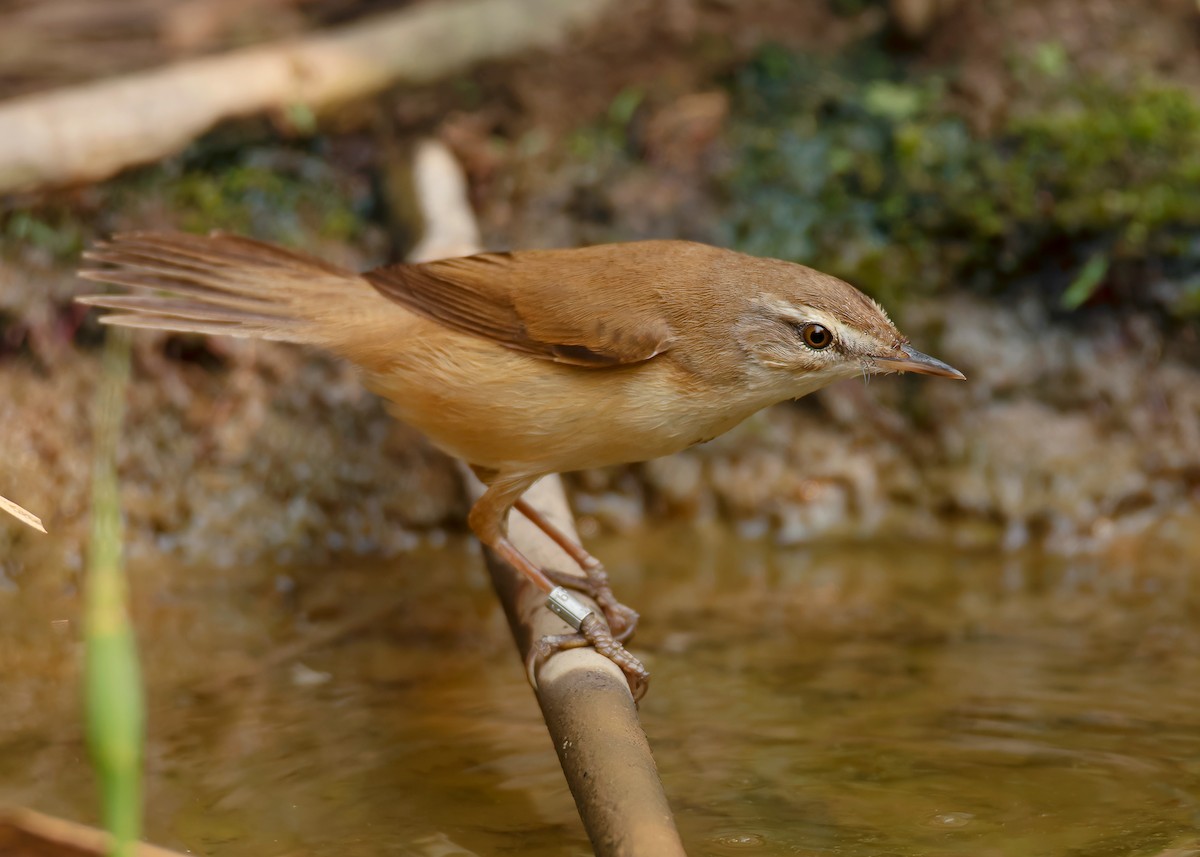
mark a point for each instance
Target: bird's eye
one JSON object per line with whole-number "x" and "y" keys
{"x": 816, "y": 336}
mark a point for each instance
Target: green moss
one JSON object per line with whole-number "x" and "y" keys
{"x": 53, "y": 230}
{"x": 273, "y": 193}
{"x": 252, "y": 199}
{"x": 276, "y": 192}
{"x": 864, "y": 170}
{"x": 606, "y": 143}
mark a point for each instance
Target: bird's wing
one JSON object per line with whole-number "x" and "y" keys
{"x": 569, "y": 306}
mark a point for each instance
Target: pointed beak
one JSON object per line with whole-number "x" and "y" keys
{"x": 914, "y": 361}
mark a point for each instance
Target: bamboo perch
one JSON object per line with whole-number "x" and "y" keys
{"x": 584, "y": 697}
{"x": 586, "y": 703}
{"x": 90, "y": 132}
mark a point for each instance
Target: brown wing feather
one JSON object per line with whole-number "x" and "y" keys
{"x": 542, "y": 303}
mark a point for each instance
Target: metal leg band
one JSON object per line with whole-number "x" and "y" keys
{"x": 567, "y": 607}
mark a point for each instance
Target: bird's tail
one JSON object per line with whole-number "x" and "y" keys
{"x": 221, "y": 284}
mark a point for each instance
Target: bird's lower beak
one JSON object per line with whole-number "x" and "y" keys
{"x": 914, "y": 361}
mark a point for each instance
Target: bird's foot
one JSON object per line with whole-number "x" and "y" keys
{"x": 622, "y": 620}
{"x": 593, "y": 632}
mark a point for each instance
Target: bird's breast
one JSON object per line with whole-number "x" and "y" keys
{"x": 512, "y": 412}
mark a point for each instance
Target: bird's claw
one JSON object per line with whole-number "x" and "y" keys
{"x": 593, "y": 632}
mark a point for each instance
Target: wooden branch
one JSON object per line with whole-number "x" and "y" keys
{"x": 90, "y": 132}
{"x": 584, "y": 697}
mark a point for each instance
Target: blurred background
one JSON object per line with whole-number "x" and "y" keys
{"x": 1000, "y": 573}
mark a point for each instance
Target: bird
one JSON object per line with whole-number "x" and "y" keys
{"x": 532, "y": 362}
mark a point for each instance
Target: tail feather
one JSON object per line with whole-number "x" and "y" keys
{"x": 206, "y": 290}
{"x": 149, "y": 321}
{"x": 182, "y": 309}
{"x": 216, "y": 248}
{"x": 209, "y": 271}
{"x": 218, "y": 284}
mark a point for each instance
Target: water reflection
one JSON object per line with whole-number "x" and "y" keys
{"x": 834, "y": 700}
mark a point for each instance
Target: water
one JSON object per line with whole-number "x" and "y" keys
{"x": 842, "y": 700}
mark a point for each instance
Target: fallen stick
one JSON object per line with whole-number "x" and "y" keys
{"x": 584, "y": 697}
{"x": 25, "y": 833}
{"x": 23, "y": 515}
{"x": 90, "y": 132}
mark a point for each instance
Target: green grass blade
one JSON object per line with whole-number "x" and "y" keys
{"x": 112, "y": 680}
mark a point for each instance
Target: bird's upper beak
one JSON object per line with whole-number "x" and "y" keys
{"x": 914, "y": 361}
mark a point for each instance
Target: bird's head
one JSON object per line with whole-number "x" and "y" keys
{"x": 804, "y": 330}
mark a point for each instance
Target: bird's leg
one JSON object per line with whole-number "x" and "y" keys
{"x": 622, "y": 620}
{"x": 488, "y": 520}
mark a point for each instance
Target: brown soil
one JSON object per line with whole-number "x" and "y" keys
{"x": 1106, "y": 38}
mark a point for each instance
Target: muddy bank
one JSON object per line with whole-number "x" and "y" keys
{"x": 1079, "y": 429}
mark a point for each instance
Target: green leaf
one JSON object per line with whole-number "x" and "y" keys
{"x": 624, "y": 105}
{"x": 1051, "y": 59}
{"x": 1086, "y": 282}
{"x": 893, "y": 101}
